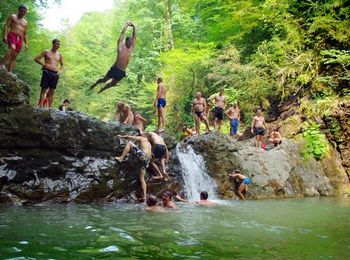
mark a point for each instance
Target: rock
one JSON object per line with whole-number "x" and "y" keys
{"x": 12, "y": 90}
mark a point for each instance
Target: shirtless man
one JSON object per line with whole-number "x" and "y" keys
{"x": 120, "y": 113}
{"x": 241, "y": 183}
{"x": 198, "y": 108}
{"x": 125, "y": 49}
{"x": 160, "y": 152}
{"x": 51, "y": 72}
{"x": 152, "y": 204}
{"x": 204, "y": 200}
{"x": 220, "y": 104}
{"x": 160, "y": 103}
{"x": 167, "y": 200}
{"x": 235, "y": 116}
{"x": 258, "y": 129}
{"x": 15, "y": 30}
{"x": 275, "y": 138}
{"x": 139, "y": 121}
{"x": 143, "y": 152}
{"x": 129, "y": 116}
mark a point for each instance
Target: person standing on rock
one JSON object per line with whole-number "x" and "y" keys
{"x": 120, "y": 113}
{"x": 124, "y": 52}
{"x": 235, "y": 116}
{"x": 159, "y": 153}
{"x": 220, "y": 104}
{"x": 241, "y": 183}
{"x": 160, "y": 103}
{"x": 144, "y": 153}
{"x": 50, "y": 73}
{"x": 198, "y": 108}
{"x": 139, "y": 121}
{"x": 15, "y": 31}
{"x": 258, "y": 129}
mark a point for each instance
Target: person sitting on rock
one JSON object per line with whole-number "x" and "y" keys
{"x": 120, "y": 113}
{"x": 159, "y": 153}
{"x": 167, "y": 199}
{"x": 275, "y": 138}
{"x": 129, "y": 116}
{"x": 187, "y": 132}
{"x": 144, "y": 153}
{"x": 65, "y": 106}
{"x": 139, "y": 121}
{"x": 241, "y": 183}
{"x": 152, "y": 204}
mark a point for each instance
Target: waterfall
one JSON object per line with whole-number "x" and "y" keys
{"x": 195, "y": 174}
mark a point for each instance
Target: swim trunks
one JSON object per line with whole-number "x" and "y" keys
{"x": 199, "y": 114}
{"x": 219, "y": 113}
{"x": 141, "y": 155}
{"x": 161, "y": 102}
{"x": 159, "y": 151}
{"x": 116, "y": 73}
{"x": 49, "y": 79}
{"x": 14, "y": 39}
{"x": 259, "y": 131}
{"x": 234, "y": 126}
{"x": 246, "y": 181}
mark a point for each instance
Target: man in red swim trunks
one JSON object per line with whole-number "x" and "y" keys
{"x": 125, "y": 48}
{"x": 15, "y": 30}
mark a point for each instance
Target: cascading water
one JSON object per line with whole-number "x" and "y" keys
{"x": 195, "y": 174}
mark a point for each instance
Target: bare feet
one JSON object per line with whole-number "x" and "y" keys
{"x": 119, "y": 159}
{"x": 142, "y": 200}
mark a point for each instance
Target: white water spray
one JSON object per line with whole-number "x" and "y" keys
{"x": 195, "y": 174}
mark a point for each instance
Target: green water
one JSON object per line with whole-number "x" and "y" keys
{"x": 266, "y": 229}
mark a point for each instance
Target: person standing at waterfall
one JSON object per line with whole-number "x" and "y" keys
{"x": 258, "y": 129}
{"x": 241, "y": 183}
{"x": 199, "y": 106}
{"x": 50, "y": 75}
{"x": 220, "y": 104}
{"x": 144, "y": 153}
{"x": 15, "y": 31}
{"x": 124, "y": 52}
{"x": 235, "y": 116}
{"x": 160, "y": 103}
{"x": 159, "y": 153}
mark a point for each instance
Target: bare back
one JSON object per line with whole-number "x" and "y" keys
{"x": 161, "y": 91}
{"x": 18, "y": 25}
{"x": 146, "y": 146}
{"x": 156, "y": 139}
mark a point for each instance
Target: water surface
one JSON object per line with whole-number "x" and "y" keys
{"x": 266, "y": 229}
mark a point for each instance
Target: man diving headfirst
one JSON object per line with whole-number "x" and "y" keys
{"x": 125, "y": 49}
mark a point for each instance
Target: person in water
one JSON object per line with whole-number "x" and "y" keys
{"x": 235, "y": 116}
{"x": 152, "y": 204}
{"x": 167, "y": 199}
{"x": 124, "y": 52}
{"x": 143, "y": 152}
{"x": 15, "y": 31}
{"x": 241, "y": 183}
{"x": 258, "y": 129}
{"x": 160, "y": 103}
{"x": 204, "y": 200}
{"x": 198, "y": 108}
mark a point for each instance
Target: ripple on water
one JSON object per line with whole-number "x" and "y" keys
{"x": 23, "y": 242}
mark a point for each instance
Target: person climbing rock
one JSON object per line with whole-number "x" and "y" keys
{"x": 241, "y": 183}
{"x": 124, "y": 52}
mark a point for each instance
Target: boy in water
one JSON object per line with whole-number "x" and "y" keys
{"x": 152, "y": 204}
{"x": 241, "y": 183}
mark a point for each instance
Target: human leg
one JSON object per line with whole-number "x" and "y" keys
{"x": 100, "y": 80}
{"x": 126, "y": 150}
{"x": 42, "y": 96}
{"x": 50, "y": 94}
{"x": 8, "y": 55}
{"x": 156, "y": 169}
{"x": 12, "y": 61}
{"x": 162, "y": 117}
{"x": 204, "y": 118}
{"x": 108, "y": 85}
{"x": 143, "y": 184}
{"x": 197, "y": 122}
{"x": 165, "y": 175}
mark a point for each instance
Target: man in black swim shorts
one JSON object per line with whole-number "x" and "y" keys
{"x": 125, "y": 49}
{"x": 220, "y": 104}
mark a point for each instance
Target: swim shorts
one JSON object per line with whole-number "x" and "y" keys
{"x": 219, "y": 113}
{"x": 159, "y": 151}
{"x": 199, "y": 114}
{"x": 259, "y": 131}
{"x": 116, "y": 73}
{"x": 246, "y": 181}
{"x": 234, "y": 126}
{"x": 49, "y": 79}
{"x": 161, "y": 102}
{"x": 14, "y": 39}
{"x": 141, "y": 155}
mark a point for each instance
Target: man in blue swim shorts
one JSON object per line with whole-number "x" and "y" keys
{"x": 160, "y": 103}
{"x": 241, "y": 183}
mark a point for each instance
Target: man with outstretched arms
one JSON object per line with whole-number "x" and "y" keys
{"x": 14, "y": 32}
{"x": 125, "y": 49}
{"x": 51, "y": 72}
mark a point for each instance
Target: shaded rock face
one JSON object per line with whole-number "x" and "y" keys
{"x": 12, "y": 90}
{"x": 50, "y": 155}
{"x": 280, "y": 172}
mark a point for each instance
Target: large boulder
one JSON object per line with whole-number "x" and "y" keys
{"x": 12, "y": 90}
{"x": 279, "y": 172}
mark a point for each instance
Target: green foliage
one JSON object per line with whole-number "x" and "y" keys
{"x": 316, "y": 142}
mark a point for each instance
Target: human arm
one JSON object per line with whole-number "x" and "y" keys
{"x": 131, "y": 137}
{"x": 253, "y": 123}
{"x": 178, "y": 197}
{"x": 61, "y": 64}
{"x": 38, "y": 58}
{"x": 122, "y": 34}
{"x": 6, "y": 29}
{"x": 239, "y": 115}
{"x": 128, "y": 118}
{"x": 157, "y": 96}
{"x": 25, "y": 38}
{"x": 134, "y": 33}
